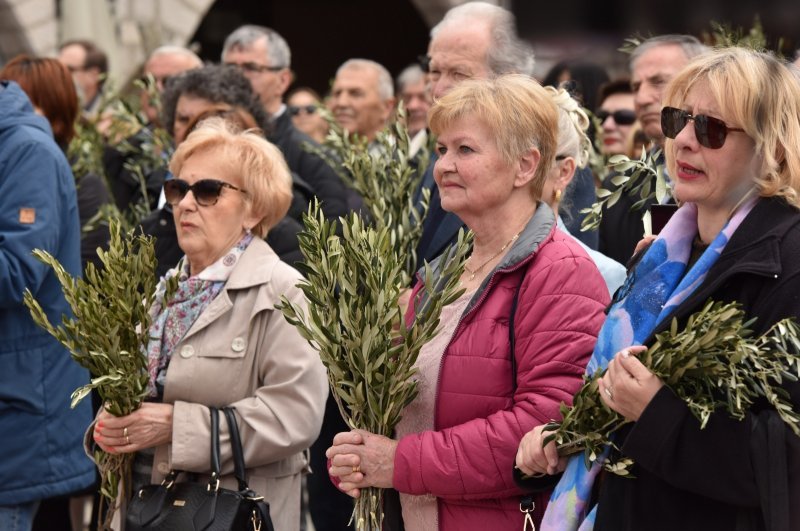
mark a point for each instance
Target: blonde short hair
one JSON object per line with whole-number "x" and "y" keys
{"x": 758, "y": 93}
{"x": 518, "y": 111}
{"x": 259, "y": 165}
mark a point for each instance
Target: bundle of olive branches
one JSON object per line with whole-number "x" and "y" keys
{"x": 354, "y": 320}
{"x": 106, "y": 335}
{"x": 714, "y": 363}
{"x": 386, "y": 178}
{"x": 643, "y": 177}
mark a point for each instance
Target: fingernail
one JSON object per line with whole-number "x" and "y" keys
{"x": 625, "y": 353}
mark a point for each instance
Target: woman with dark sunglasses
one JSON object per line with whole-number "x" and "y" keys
{"x": 732, "y": 122}
{"x": 216, "y": 337}
{"x": 617, "y": 117}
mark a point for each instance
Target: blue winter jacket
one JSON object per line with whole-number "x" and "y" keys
{"x": 41, "y": 451}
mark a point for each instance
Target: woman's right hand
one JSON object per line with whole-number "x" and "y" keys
{"x": 535, "y": 460}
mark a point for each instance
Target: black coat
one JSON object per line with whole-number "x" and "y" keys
{"x": 714, "y": 479}
{"x": 321, "y": 178}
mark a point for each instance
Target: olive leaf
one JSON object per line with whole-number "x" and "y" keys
{"x": 107, "y": 335}
{"x": 643, "y": 178}
{"x": 385, "y": 176}
{"x": 713, "y": 363}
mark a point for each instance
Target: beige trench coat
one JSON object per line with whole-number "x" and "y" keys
{"x": 241, "y": 352}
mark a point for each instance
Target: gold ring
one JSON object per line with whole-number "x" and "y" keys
{"x": 125, "y": 431}
{"x": 609, "y": 393}
{"x": 356, "y": 469}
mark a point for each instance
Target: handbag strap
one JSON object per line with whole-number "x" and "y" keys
{"x": 236, "y": 446}
{"x": 215, "y": 466}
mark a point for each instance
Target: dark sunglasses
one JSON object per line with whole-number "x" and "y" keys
{"x": 206, "y": 191}
{"x": 710, "y": 132}
{"x": 307, "y": 109}
{"x": 621, "y": 117}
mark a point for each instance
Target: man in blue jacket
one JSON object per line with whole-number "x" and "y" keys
{"x": 40, "y": 436}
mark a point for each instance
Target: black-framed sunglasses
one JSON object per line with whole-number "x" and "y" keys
{"x": 710, "y": 132}
{"x": 621, "y": 117}
{"x": 252, "y": 68}
{"x": 206, "y": 191}
{"x": 294, "y": 110}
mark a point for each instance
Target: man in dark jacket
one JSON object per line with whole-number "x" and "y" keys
{"x": 264, "y": 57}
{"x": 473, "y": 41}
{"x": 653, "y": 63}
{"x": 41, "y": 440}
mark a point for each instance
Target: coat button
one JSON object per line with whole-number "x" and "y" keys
{"x": 238, "y": 344}
{"x": 187, "y": 351}
{"x": 163, "y": 468}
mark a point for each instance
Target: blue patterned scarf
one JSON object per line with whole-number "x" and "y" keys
{"x": 655, "y": 287}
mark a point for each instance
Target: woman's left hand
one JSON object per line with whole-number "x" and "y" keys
{"x": 147, "y": 427}
{"x": 628, "y": 386}
{"x": 362, "y": 459}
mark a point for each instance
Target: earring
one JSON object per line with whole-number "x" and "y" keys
{"x": 248, "y": 231}
{"x": 557, "y": 196}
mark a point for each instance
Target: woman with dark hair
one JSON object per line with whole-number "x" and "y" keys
{"x": 50, "y": 88}
{"x": 218, "y": 91}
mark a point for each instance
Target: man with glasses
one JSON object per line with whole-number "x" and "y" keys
{"x": 88, "y": 65}
{"x": 164, "y": 63}
{"x": 653, "y": 64}
{"x": 265, "y": 59}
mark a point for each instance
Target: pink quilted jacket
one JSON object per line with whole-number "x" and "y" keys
{"x": 481, "y": 414}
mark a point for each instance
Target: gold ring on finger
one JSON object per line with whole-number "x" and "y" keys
{"x": 356, "y": 469}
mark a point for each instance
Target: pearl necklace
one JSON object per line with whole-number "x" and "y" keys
{"x": 473, "y": 272}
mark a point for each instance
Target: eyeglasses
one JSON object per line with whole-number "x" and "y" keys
{"x": 710, "y": 132}
{"x": 206, "y": 191}
{"x": 621, "y": 117}
{"x": 307, "y": 109}
{"x": 252, "y": 68}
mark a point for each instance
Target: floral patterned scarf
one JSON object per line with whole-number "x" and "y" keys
{"x": 171, "y": 321}
{"x": 655, "y": 287}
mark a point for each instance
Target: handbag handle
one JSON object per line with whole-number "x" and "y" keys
{"x": 215, "y": 466}
{"x": 236, "y": 446}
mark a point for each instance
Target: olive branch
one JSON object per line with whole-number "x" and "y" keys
{"x": 107, "y": 336}
{"x": 713, "y": 363}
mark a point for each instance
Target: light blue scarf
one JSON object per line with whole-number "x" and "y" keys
{"x": 655, "y": 287}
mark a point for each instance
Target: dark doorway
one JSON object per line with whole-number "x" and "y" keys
{"x": 322, "y": 34}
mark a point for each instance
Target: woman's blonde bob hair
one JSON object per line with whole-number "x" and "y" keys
{"x": 757, "y": 92}
{"x": 258, "y": 165}
{"x": 518, "y": 111}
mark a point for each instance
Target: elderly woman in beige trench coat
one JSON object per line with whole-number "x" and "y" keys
{"x": 218, "y": 339}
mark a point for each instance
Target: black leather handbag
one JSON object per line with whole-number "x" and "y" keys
{"x": 187, "y": 506}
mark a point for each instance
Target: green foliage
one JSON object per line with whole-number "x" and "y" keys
{"x": 714, "y": 363}
{"x": 108, "y": 333}
{"x": 353, "y": 285}
{"x": 385, "y": 177}
{"x": 115, "y": 123}
{"x": 643, "y": 177}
